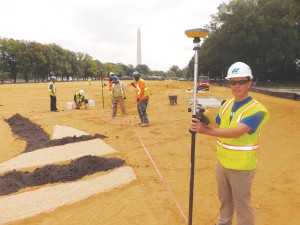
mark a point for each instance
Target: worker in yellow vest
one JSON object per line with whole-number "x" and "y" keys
{"x": 89, "y": 81}
{"x": 118, "y": 95}
{"x": 79, "y": 99}
{"x": 240, "y": 121}
{"x": 52, "y": 94}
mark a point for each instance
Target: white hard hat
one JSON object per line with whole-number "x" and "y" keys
{"x": 53, "y": 77}
{"x": 111, "y": 73}
{"x": 81, "y": 92}
{"x": 239, "y": 69}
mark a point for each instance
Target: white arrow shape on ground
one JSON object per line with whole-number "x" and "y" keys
{"x": 26, "y": 204}
{"x": 22, "y": 205}
{"x": 52, "y": 155}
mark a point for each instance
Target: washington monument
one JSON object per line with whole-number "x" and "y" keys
{"x": 139, "y": 48}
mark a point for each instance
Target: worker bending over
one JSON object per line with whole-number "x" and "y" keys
{"x": 79, "y": 99}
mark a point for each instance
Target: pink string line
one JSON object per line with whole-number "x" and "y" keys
{"x": 161, "y": 177}
{"x": 116, "y": 120}
{"x": 148, "y": 154}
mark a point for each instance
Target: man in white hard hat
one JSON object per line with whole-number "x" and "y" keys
{"x": 52, "y": 94}
{"x": 240, "y": 121}
{"x": 79, "y": 99}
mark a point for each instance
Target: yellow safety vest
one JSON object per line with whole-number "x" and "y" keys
{"x": 142, "y": 90}
{"x": 121, "y": 87}
{"x": 50, "y": 91}
{"x": 240, "y": 153}
{"x": 79, "y": 97}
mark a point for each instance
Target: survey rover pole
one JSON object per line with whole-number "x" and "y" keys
{"x": 102, "y": 78}
{"x": 193, "y": 141}
{"x": 196, "y": 34}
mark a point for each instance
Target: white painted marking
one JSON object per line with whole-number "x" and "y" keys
{"x": 19, "y": 206}
{"x": 65, "y": 131}
{"x": 27, "y": 204}
{"x": 62, "y": 153}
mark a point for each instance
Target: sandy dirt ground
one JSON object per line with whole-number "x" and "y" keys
{"x": 147, "y": 200}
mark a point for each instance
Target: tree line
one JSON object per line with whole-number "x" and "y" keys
{"x": 33, "y": 61}
{"x": 265, "y": 34}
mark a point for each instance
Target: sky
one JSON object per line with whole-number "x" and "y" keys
{"x": 107, "y": 29}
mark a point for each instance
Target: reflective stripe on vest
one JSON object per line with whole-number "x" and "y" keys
{"x": 54, "y": 89}
{"x": 240, "y": 153}
{"x": 121, "y": 88}
{"x": 242, "y": 113}
{"x": 79, "y": 97}
{"x": 138, "y": 90}
{"x": 238, "y": 147}
{"x": 226, "y": 106}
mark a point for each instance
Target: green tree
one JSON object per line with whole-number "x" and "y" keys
{"x": 90, "y": 68}
{"x": 59, "y": 58}
{"x": 25, "y": 65}
{"x": 9, "y": 53}
{"x": 262, "y": 33}
{"x": 175, "y": 69}
{"x": 38, "y": 60}
{"x": 143, "y": 69}
{"x": 109, "y": 67}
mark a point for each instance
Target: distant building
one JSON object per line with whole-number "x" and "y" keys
{"x": 154, "y": 78}
{"x": 139, "y": 48}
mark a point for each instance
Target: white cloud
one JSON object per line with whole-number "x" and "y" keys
{"x": 107, "y": 29}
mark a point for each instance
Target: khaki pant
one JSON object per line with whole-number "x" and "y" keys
{"x": 115, "y": 101}
{"x": 234, "y": 189}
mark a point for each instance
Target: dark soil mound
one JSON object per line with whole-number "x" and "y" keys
{"x": 37, "y": 138}
{"x": 14, "y": 180}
